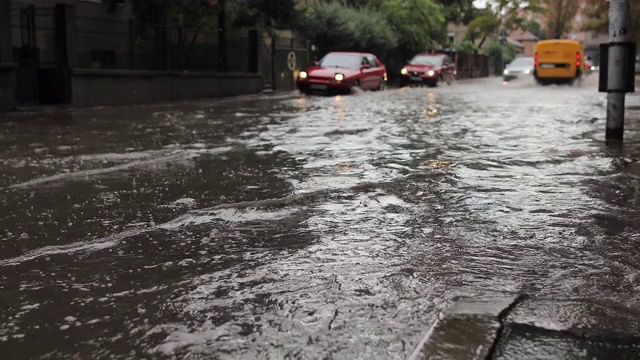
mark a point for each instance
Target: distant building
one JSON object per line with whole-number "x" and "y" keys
{"x": 527, "y": 39}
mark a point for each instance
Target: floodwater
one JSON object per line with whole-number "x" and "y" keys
{"x": 306, "y": 227}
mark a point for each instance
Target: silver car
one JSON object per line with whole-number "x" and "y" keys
{"x": 518, "y": 67}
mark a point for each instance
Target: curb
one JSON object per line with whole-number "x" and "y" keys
{"x": 519, "y": 327}
{"x": 468, "y": 329}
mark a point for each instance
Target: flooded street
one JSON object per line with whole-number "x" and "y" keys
{"x": 307, "y": 227}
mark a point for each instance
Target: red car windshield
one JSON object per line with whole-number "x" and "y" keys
{"x": 346, "y": 61}
{"x": 426, "y": 60}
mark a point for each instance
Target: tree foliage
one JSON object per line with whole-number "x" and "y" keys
{"x": 508, "y": 52}
{"x": 513, "y": 13}
{"x": 265, "y": 14}
{"x": 560, "y": 15}
{"x": 334, "y": 26}
{"x": 466, "y": 47}
{"x": 482, "y": 27}
{"x": 458, "y": 11}
{"x": 597, "y": 14}
{"x": 191, "y": 13}
{"x": 419, "y": 23}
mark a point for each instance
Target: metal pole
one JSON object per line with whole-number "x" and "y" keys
{"x": 619, "y": 23}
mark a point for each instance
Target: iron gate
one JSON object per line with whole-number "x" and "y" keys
{"x": 283, "y": 57}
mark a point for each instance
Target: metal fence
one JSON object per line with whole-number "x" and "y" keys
{"x": 472, "y": 66}
{"x": 108, "y": 44}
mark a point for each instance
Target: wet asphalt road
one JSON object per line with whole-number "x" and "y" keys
{"x": 306, "y": 227}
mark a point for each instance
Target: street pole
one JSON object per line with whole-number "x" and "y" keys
{"x": 619, "y": 23}
{"x": 503, "y": 41}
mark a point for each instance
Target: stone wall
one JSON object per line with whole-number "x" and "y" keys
{"x": 123, "y": 87}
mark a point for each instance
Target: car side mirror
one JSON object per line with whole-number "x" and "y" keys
{"x": 365, "y": 66}
{"x": 315, "y": 63}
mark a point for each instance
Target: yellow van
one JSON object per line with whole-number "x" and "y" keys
{"x": 558, "y": 61}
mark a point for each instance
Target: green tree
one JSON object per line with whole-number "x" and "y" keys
{"x": 508, "y": 52}
{"x": 419, "y": 23}
{"x": 513, "y": 14}
{"x": 560, "y": 15}
{"x": 535, "y": 28}
{"x": 597, "y": 14}
{"x": 483, "y": 27}
{"x": 335, "y": 26}
{"x": 265, "y": 14}
{"x": 466, "y": 47}
{"x": 458, "y": 11}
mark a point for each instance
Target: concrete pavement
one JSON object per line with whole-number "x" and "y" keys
{"x": 517, "y": 327}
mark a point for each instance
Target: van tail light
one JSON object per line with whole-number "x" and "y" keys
{"x": 535, "y": 59}
{"x": 578, "y": 59}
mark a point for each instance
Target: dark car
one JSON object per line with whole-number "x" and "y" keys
{"x": 429, "y": 69}
{"x": 339, "y": 72}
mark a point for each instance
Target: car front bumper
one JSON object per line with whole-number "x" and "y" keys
{"x": 422, "y": 78}
{"x": 515, "y": 75}
{"x": 324, "y": 86}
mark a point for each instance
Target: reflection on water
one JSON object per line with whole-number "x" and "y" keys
{"x": 306, "y": 227}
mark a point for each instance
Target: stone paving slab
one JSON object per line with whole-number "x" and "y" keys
{"x": 468, "y": 329}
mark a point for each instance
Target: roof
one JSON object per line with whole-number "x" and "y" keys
{"x": 561, "y": 41}
{"x": 520, "y": 35}
{"x": 515, "y": 43}
{"x": 431, "y": 54}
{"x": 349, "y": 53}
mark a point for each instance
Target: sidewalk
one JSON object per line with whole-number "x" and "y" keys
{"x": 515, "y": 327}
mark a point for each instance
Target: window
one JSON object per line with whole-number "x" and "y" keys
{"x": 372, "y": 62}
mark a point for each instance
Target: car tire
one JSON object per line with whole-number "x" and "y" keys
{"x": 356, "y": 88}
{"x": 382, "y": 86}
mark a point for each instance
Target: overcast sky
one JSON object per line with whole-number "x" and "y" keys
{"x": 480, "y": 3}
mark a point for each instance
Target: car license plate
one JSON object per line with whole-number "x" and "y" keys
{"x": 416, "y": 78}
{"x": 318, "y": 86}
{"x": 547, "y": 66}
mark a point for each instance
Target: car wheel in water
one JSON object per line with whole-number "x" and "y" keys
{"x": 382, "y": 86}
{"x": 356, "y": 88}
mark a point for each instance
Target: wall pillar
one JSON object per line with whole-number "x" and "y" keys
{"x": 6, "y": 52}
{"x": 7, "y": 72}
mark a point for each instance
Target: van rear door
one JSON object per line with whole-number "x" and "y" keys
{"x": 556, "y": 55}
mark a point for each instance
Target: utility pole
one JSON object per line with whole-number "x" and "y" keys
{"x": 503, "y": 42}
{"x": 618, "y": 72}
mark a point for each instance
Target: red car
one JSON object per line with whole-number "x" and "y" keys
{"x": 338, "y": 72}
{"x": 428, "y": 68}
